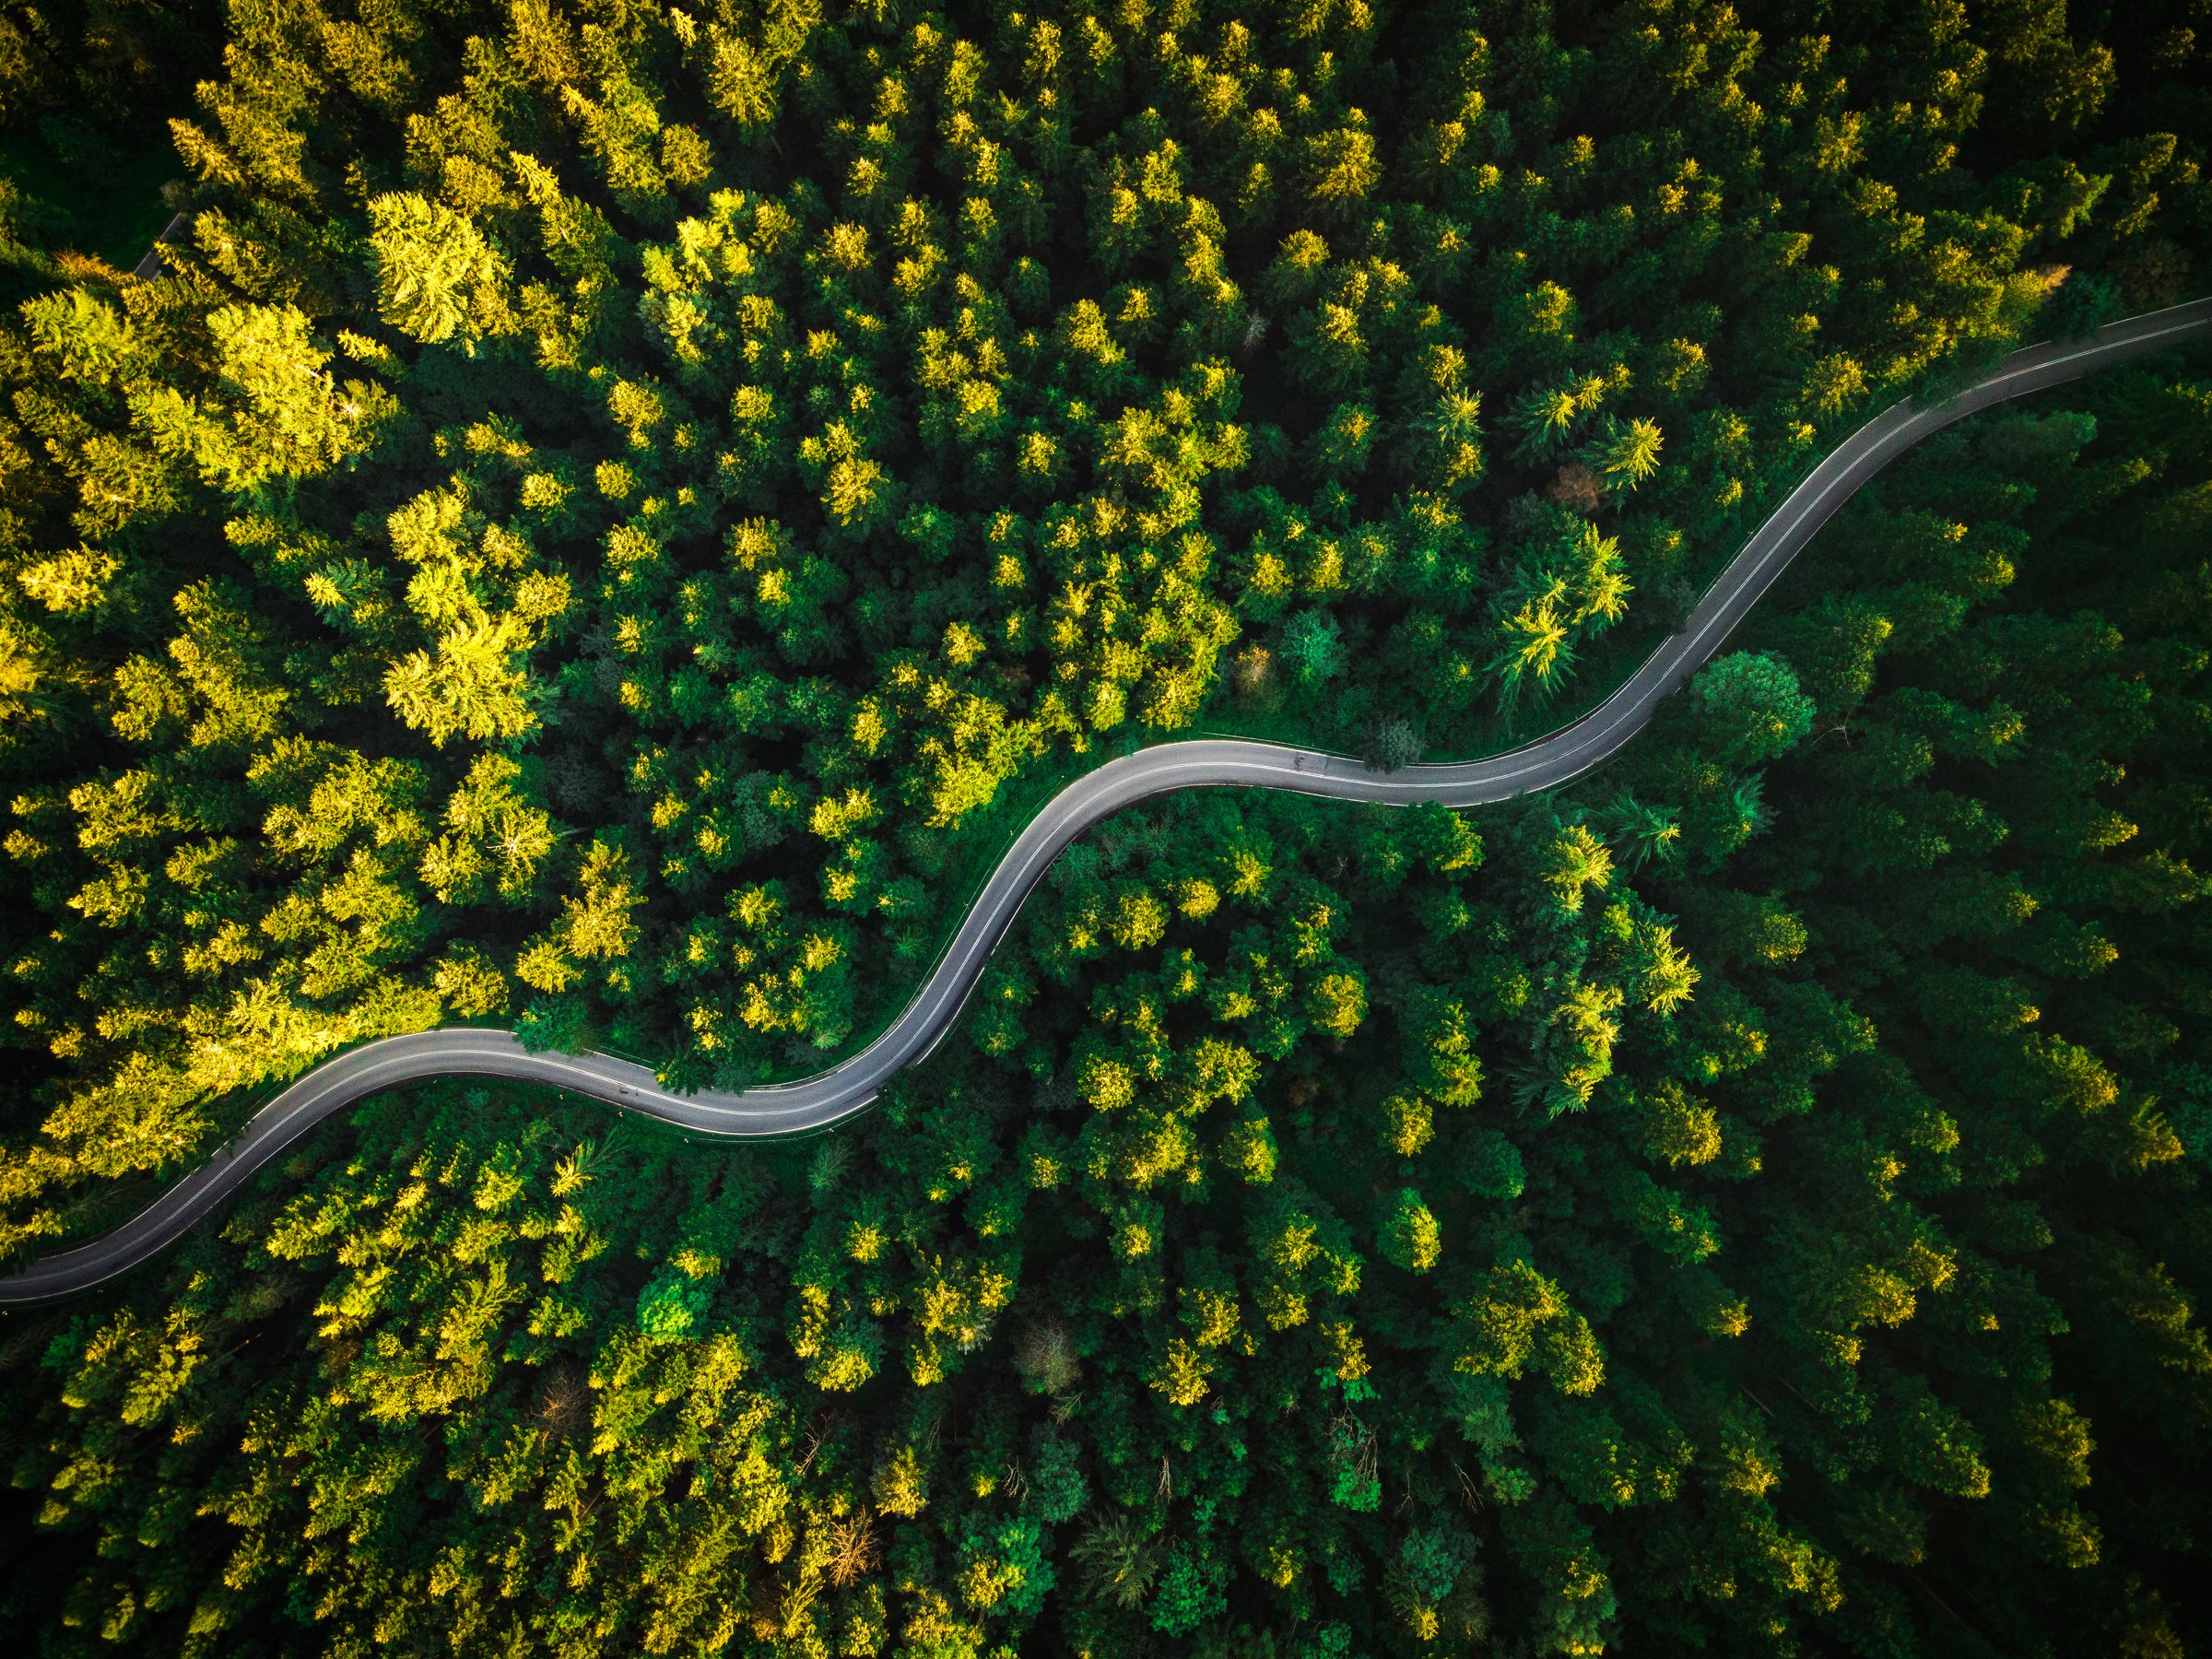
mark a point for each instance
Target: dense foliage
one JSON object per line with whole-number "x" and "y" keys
{"x": 618, "y": 509}
{"x": 1262, "y": 1270}
{"x": 613, "y": 497}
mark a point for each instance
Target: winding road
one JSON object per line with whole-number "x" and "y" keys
{"x": 836, "y": 1094}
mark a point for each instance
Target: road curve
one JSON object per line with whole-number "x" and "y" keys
{"x": 831, "y": 1096}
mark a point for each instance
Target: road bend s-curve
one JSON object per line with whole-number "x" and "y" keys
{"x": 845, "y": 1088}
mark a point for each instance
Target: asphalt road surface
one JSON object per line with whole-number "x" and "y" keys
{"x": 831, "y": 1096}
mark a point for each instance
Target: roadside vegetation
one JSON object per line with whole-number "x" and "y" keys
{"x": 613, "y": 503}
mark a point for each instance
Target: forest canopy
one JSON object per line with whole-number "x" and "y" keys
{"x": 607, "y": 514}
